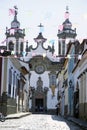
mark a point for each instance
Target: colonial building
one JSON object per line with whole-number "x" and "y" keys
{"x": 63, "y": 98}
{"x": 80, "y": 76}
{"x": 14, "y": 92}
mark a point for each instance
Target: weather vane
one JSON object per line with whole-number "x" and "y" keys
{"x": 15, "y": 7}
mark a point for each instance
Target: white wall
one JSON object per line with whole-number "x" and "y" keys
{"x": 51, "y": 101}
{"x": 34, "y": 78}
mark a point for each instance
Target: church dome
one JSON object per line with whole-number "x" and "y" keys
{"x": 15, "y": 24}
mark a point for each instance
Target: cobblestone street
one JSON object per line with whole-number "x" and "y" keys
{"x": 38, "y": 122}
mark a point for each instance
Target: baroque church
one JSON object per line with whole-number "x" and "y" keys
{"x": 43, "y": 65}
{"x": 43, "y": 76}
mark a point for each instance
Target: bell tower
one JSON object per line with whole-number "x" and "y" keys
{"x": 65, "y": 33}
{"x": 15, "y": 36}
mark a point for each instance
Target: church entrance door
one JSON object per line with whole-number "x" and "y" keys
{"x": 39, "y": 105}
{"x": 39, "y": 97}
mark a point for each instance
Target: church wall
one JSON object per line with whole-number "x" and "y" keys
{"x": 34, "y": 78}
{"x": 11, "y": 39}
{"x": 30, "y": 103}
{"x": 51, "y": 100}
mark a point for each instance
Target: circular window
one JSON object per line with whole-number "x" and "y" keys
{"x": 39, "y": 68}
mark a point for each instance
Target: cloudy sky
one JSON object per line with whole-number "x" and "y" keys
{"x": 48, "y": 12}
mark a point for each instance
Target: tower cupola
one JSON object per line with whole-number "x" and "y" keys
{"x": 15, "y": 36}
{"x": 67, "y": 24}
{"x": 40, "y": 38}
{"x": 15, "y": 23}
{"x": 65, "y": 33}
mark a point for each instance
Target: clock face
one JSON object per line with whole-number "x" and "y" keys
{"x": 39, "y": 69}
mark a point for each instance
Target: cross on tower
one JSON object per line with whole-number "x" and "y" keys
{"x": 67, "y": 8}
{"x": 67, "y": 13}
{"x": 41, "y": 27}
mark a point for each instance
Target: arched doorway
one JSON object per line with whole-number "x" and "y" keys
{"x": 39, "y": 97}
{"x": 39, "y": 102}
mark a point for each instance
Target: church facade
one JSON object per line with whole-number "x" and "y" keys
{"x": 38, "y": 81}
{"x": 43, "y": 67}
{"x": 43, "y": 76}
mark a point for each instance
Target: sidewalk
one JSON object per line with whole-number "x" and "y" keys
{"x": 81, "y": 123}
{"x": 17, "y": 115}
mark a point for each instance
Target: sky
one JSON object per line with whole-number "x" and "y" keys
{"x": 48, "y": 12}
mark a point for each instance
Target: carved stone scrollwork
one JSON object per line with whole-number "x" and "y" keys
{"x": 46, "y": 89}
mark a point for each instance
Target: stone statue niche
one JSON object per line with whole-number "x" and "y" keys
{"x": 39, "y": 84}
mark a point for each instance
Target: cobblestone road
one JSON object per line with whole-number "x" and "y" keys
{"x": 38, "y": 122}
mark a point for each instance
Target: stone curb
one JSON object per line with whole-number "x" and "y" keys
{"x": 17, "y": 116}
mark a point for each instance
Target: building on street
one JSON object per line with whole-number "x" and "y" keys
{"x": 37, "y": 80}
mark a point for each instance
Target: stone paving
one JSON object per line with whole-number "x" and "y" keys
{"x": 38, "y": 122}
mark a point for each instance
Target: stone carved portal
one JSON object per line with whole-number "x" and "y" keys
{"x": 39, "y": 97}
